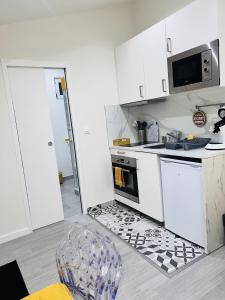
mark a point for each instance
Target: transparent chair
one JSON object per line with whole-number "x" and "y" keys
{"x": 89, "y": 264}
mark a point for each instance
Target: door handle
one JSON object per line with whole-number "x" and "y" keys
{"x": 141, "y": 91}
{"x": 67, "y": 140}
{"x": 169, "y": 45}
{"x": 50, "y": 143}
{"x": 164, "y": 85}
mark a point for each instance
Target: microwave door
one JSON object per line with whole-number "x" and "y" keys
{"x": 187, "y": 70}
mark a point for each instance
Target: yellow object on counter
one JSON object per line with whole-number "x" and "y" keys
{"x": 54, "y": 292}
{"x": 190, "y": 136}
{"x": 121, "y": 142}
{"x": 119, "y": 179}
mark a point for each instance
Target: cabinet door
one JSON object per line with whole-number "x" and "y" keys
{"x": 155, "y": 61}
{"x": 149, "y": 185}
{"x": 192, "y": 26}
{"x": 183, "y": 200}
{"x": 130, "y": 75}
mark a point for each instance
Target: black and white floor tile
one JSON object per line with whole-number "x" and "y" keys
{"x": 168, "y": 251}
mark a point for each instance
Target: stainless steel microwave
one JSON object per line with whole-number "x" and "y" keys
{"x": 194, "y": 69}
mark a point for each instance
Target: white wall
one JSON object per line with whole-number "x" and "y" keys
{"x": 13, "y": 220}
{"x": 86, "y": 41}
{"x": 149, "y": 12}
{"x": 59, "y": 123}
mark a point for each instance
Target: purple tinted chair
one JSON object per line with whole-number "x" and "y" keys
{"x": 89, "y": 264}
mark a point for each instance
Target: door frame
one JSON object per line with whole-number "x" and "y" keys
{"x": 5, "y": 64}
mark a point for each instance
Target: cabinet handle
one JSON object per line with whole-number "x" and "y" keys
{"x": 164, "y": 85}
{"x": 169, "y": 45}
{"x": 141, "y": 91}
{"x": 120, "y": 152}
{"x": 137, "y": 164}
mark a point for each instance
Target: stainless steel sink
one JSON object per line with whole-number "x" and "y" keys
{"x": 159, "y": 146}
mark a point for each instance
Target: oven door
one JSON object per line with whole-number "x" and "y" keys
{"x": 130, "y": 188}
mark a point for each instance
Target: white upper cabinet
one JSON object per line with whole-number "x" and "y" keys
{"x": 142, "y": 61}
{"x": 142, "y": 66}
{"x": 192, "y": 26}
{"x": 130, "y": 74}
{"x": 155, "y": 62}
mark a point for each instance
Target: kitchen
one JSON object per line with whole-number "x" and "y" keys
{"x": 175, "y": 177}
{"x": 169, "y": 202}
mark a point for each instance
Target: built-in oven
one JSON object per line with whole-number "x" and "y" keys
{"x": 126, "y": 168}
{"x": 194, "y": 69}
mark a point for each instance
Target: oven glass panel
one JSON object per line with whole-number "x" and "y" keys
{"x": 130, "y": 180}
{"x": 187, "y": 70}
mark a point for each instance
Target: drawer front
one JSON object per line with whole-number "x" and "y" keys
{"x": 123, "y": 153}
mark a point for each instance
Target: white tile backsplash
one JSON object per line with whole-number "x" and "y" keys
{"x": 173, "y": 113}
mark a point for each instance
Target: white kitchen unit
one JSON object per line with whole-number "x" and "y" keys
{"x": 155, "y": 62}
{"x": 183, "y": 199}
{"x": 142, "y": 66}
{"x": 193, "y": 185}
{"x": 194, "y": 202}
{"x": 141, "y": 62}
{"x": 192, "y": 26}
{"x": 130, "y": 74}
{"x": 149, "y": 184}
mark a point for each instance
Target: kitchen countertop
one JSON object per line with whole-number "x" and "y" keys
{"x": 196, "y": 153}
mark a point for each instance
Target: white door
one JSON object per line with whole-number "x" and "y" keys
{"x": 192, "y": 26}
{"x": 155, "y": 61}
{"x": 30, "y": 101}
{"x": 183, "y": 200}
{"x": 149, "y": 185}
{"x": 130, "y": 74}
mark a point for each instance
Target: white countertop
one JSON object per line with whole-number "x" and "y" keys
{"x": 197, "y": 153}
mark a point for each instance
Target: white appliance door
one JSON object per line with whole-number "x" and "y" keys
{"x": 30, "y": 101}
{"x": 182, "y": 200}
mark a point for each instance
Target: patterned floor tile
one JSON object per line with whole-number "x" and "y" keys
{"x": 168, "y": 251}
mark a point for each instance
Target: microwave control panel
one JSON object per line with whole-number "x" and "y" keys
{"x": 207, "y": 65}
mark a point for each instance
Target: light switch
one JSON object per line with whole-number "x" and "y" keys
{"x": 86, "y": 130}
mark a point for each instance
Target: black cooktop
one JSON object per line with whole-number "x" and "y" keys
{"x": 138, "y": 144}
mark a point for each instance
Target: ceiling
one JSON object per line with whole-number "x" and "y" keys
{"x": 20, "y": 10}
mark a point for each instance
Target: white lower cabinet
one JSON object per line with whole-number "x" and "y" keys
{"x": 183, "y": 199}
{"x": 149, "y": 185}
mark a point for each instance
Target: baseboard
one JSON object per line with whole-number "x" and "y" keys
{"x": 14, "y": 235}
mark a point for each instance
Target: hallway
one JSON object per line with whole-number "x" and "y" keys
{"x": 70, "y": 199}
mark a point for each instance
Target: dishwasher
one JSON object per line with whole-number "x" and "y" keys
{"x": 182, "y": 187}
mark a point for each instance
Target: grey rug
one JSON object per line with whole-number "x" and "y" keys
{"x": 165, "y": 250}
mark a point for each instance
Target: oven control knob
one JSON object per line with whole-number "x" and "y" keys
{"x": 127, "y": 162}
{"x": 206, "y": 61}
{"x": 206, "y": 70}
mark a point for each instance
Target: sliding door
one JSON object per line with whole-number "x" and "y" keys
{"x": 30, "y": 101}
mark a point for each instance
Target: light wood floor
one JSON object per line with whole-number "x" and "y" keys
{"x": 204, "y": 280}
{"x": 70, "y": 199}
